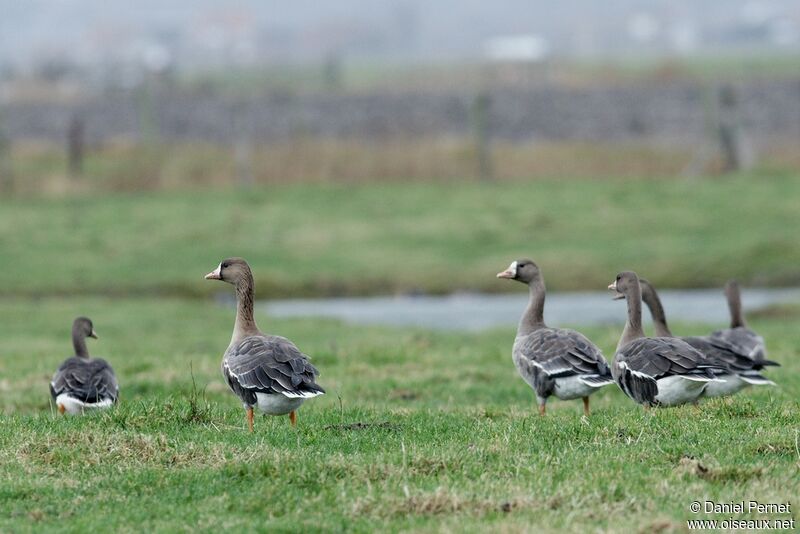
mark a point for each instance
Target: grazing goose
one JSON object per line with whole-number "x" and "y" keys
{"x": 83, "y": 383}
{"x": 262, "y": 370}
{"x": 662, "y": 371}
{"x": 743, "y": 369}
{"x": 738, "y": 337}
{"x": 553, "y": 361}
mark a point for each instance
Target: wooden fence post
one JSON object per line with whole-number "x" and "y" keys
{"x": 6, "y": 173}
{"x": 737, "y": 150}
{"x": 242, "y": 146}
{"x": 480, "y": 128}
{"x": 75, "y": 146}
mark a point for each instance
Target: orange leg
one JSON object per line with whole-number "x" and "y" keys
{"x": 293, "y": 418}
{"x": 541, "y": 409}
{"x": 586, "y": 406}
{"x": 61, "y": 409}
{"x": 250, "y": 418}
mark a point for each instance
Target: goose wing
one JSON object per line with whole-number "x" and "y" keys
{"x": 90, "y": 381}
{"x": 269, "y": 364}
{"x": 720, "y": 354}
{"x": 659, "y": 357}
{"x": 639, "y": 364}
{"x": 558, "y": 352}
{"x": 744, "y": 342}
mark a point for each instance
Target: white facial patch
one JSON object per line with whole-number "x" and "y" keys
{"x": 513, "y": 268}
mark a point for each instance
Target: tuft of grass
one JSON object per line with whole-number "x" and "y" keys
{"x": 464, "y": 452}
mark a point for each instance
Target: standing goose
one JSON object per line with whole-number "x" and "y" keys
{"x": 265, "y": 371}
{"x": 743, "y": 370}
{"x": 662, "y": 371}
{"x": 553, "y": 361}
{"x": 83, "y": 383}
{"x": 739, "y": 338}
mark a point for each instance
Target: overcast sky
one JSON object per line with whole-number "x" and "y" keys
{"x": 416, "y": 29}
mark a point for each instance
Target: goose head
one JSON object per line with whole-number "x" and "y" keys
{"x": 82, "y": 327}
{"x": 231, "y": 270}
{"x": 525, "y": 271}
{"x": 624, "y": 284}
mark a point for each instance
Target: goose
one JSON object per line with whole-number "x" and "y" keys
{"x": 264, "y": 371}
{"x": 743, "y": 369}
{"x": 739, "y": 338}
{"x": 553, "y": 361}
{"x": 663, "y": 371}
{"x": 82, "y": 383}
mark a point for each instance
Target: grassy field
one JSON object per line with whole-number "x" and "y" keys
{"x": 419, "y": 431}
{"x": 383, "y": 238}
{"x": 41, "y": 168}
{"x": 355, "y": 76}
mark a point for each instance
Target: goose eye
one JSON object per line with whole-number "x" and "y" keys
{"x": 618, "y": 278}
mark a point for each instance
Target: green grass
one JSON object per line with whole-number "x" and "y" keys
{"x": 449, "y": 441}
{"x": 381, "y": 238}
{"x": 364, "y": 75}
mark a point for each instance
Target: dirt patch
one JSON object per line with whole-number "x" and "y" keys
{"x": 385, "y": 425}
{"x": 691, "y": 466}
{"x": 442, "y": 502}
{"x": 403, "y": 394}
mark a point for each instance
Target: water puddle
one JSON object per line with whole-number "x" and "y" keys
{"x": 472, "y": 311}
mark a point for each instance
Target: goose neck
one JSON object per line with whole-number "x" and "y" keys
{"x": 245, "y": 324}
{"x": 533, "y": 318}
{"x": 735, "y": 306}
{"x": 79, "y": 344}
{"x": 653, "y": 302}
{"x": 633, "y": 326}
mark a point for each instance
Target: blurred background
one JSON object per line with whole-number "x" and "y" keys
{"x": 323, "y": 142}
{"x": 212, "y": 92}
